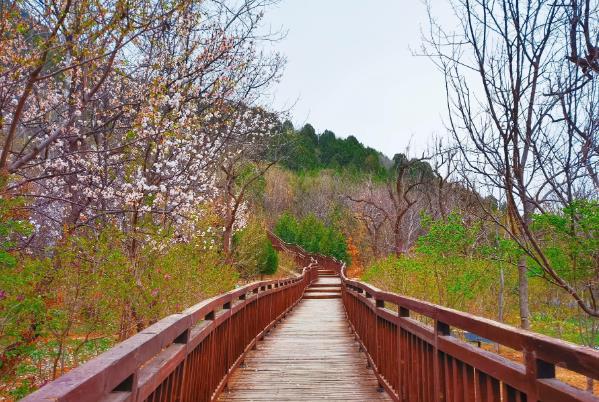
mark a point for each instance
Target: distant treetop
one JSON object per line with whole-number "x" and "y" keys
{"x": 308, "y": 151}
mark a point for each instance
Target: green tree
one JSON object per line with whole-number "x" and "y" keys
{"x": 570, "y": 241}
{"x": 308, "y": 151}
{"x": 253, "y": 251}
{"x": 269, "y": 259}
{"x": 446, "y": 238}
{"x": 313, "y": 235}
{"x": 287, "y": 228}
{"x": 12, "y": 227}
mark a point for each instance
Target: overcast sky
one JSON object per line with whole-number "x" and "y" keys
{"x": 350, "y": 69}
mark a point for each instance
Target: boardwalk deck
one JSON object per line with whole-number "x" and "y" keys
{"x": 310, "y": 356}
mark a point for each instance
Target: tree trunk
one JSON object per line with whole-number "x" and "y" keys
{"x": 230, "y": 215}
{"x": 500, "y": 301}
{"x": 227, "y": 239}
{"x": 528, "y": 208}
{"x": 398, "y": 238}
{"x": 399, "y": 249}
{"x": 500, "y": 298}
{"x": 375, "y": 243}
{"x": 523, "y": 293}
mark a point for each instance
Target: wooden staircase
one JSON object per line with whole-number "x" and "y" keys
{"x": 327, "y": 286}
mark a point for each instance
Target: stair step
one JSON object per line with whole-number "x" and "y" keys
{"x": 308, "y": 295}
{"x": 324, "y": 290}
{"x": 325, "y": 285}
{"x": 327, "y": 276}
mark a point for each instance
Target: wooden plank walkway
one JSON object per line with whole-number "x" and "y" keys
{"x": 310, "y": 356}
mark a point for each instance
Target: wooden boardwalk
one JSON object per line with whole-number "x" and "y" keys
{"x": 310, "y": 356}
{"x": 306, "y": 352}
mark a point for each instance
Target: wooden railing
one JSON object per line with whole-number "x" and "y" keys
{"x": 418, "y": 362}
{"x": 189, "y": 356}
{"x": 186, "y": 356}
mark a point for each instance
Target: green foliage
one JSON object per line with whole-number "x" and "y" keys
{"x": 458, "y": 265}
{"x": 309, "y": 151}
{"x": 11, "y": 227}
{"x": 21, "y": 305}
{"x": 180, "y": 276}
{"x": 416, "y": 169}
{"x": 270, "y": 260}
{"x": 36, "y": 359}
{"x": 63, "y": 309}
{"x": 253, "y": 251}
{"x": 313, "y": 235}
{"x": 447, "y": 238}
{"x": 287, "y": 228}
{"x": 250, "y": 171}
{"x": 49, "y": 300}
{"x": 570, "y": 239}
{"x": 459, "y": 285}
{"x": 559, "y": 322}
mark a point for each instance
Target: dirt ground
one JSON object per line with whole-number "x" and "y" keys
{"x": 567, "y": 376}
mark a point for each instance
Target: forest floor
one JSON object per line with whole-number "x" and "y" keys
{"x": 562, "y": 374}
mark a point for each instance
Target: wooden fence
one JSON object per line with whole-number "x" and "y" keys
{"x": 419, "y": 362}
{"x": 413, "y": 346}
{"x": 416, "y": 362}
{"x": 186, "y": 356}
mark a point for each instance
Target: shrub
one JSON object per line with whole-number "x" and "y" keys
{"x": 270, "y": 261}
{"x": 313, "y": 235}
{"x": 287, "y": 228}
{"x": 253, "y": 253}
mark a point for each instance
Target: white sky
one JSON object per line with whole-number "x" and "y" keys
{"x": 350, "y": 69}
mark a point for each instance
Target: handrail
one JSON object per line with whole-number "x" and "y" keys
{"x": 418, "y": 362}
{"x": 189, "y": 356}
{"x": 186, "y": 356}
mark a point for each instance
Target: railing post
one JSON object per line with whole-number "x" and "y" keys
{"x": 441, "y": 329}
{"x": 244, "y": 322}
{"x": 228, "y": 353}
{"x": 378, "y": 304}
{"x": 256, "y": 316}
{"x": 271, "y": 300}
{"x": 536, "y": 369}
{"x": 183, "y": 338}
{"x": 211, "y": 352}
{"x": 402, "y": 312}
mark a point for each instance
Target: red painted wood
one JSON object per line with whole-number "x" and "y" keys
{"x": 429, "y": 364}
{"x": 186, "y": 356}
{"x": 189, "y": 356}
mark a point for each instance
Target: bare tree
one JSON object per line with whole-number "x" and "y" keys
{"x": 581, "y": 16}
{"x": 503, "y": 70}
{"x": 444, "y": 165}
{"x": 372, "y": 212}
{"x": 404, "y": 188}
